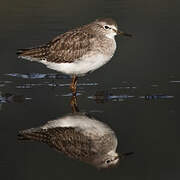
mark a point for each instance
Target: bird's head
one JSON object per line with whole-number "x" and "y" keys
{"x": 108, "y": 27}
{"x": 108, "y": 160}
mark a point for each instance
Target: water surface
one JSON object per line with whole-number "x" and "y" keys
{"x": 136, "y": 94}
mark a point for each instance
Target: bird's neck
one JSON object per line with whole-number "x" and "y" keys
{"x": 110, "y": 36}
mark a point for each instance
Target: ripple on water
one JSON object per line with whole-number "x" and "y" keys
{"x": 156, "y": 97}
{"x": 174, "y": 81}
{"x": 12, "y": 98}
{"x": 105, "y": 96}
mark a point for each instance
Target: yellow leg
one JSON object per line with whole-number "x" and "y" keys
{"x": 73, "y": 85}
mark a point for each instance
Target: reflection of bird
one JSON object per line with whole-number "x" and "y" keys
{"x": 80, "y": 137}
{"x": 78, "y": 51}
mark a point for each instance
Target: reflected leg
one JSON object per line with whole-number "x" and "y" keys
{"x": 73, "y": 104}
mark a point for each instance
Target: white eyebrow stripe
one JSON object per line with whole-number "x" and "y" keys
{"x": 113, "y": 27}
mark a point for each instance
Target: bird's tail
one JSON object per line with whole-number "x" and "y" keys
{"x": 34, "y": 134}
{"x": 37, "y": 53}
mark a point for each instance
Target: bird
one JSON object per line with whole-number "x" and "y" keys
{"x": 79, "y": 136}
{"x": 79, "y": 51}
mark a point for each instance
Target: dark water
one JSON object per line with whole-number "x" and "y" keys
{"x": 136, "y": 94}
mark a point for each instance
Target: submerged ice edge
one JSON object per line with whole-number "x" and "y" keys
{"x": 38, "y": 76}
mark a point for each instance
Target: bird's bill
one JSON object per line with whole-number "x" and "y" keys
{"x": 124, "y": 34}
{"x": 124, "y": 155}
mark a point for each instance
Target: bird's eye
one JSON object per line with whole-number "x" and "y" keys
{"x": 106, "y": 27}
{"x": 108, "y": 161}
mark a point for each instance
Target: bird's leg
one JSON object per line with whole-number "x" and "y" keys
{"x": 73, "y": 104}
{"x": 73, "y": 85}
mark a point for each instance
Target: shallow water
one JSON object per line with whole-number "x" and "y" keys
{"x": 136, "y": 94}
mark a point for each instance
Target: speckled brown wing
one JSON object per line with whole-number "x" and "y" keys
{"x": 66, "y": 47}
{"x": 67, "y": 140}
{"x": 72, "y": 143}
{"x": 70, "y": 46}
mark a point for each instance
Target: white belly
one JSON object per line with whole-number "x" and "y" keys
{"x": 82, "y": 122}
{"x": 79, "y": 67}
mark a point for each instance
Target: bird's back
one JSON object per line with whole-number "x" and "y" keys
{"x": 71, "y": 46}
